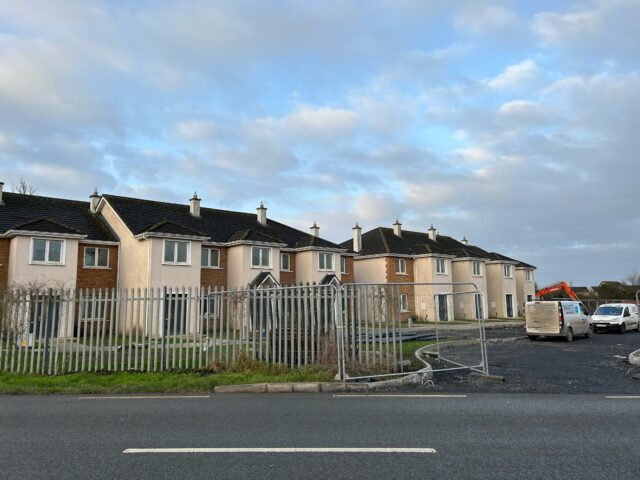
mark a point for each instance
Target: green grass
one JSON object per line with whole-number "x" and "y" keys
{"x": 162, "y": 382}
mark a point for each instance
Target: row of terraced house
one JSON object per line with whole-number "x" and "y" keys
{"x": 120, "y": 242}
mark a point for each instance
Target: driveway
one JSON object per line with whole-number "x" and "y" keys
{"x": 595, "y": 365}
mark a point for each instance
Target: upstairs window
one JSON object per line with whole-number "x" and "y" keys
{"x": 325, "y": 261}
{"x": 95, "y": 257}
{"x": 260, "y": 257}
{"x": 210, "y": 258}
{"x": 401, "y": 266}
{"x": 507, "y": 271}
{"x": 176, "y": 253}
{"x": 285, "y": 262}
{"x": 527, "y": 275}
{"x": 343, "y": 264}
{"x": 441, "y": 266}
{"x": 477, "y": 269}
{"x": 47, "y": 252}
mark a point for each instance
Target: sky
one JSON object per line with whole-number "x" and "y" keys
{"x": 515, "y": 124}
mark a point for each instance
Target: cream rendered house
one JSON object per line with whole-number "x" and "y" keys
{"x": 525, "y": 285}
{"x": 501, "y": 286}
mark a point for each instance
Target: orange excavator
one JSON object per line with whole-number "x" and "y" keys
{"x": 556, "y": 287}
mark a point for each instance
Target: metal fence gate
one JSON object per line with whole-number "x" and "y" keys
{"x": 359, "y": 330}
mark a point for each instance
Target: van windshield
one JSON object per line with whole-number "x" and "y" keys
{"x": 608, "y": 310}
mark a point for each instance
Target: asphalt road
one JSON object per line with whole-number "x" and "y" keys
{"x": 586, "y": 365}
{"x": 479, "y": 436}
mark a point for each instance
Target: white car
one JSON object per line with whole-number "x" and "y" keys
{"x": 621, "y": 316}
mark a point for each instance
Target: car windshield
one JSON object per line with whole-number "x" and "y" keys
{"x": 608, "y": 310}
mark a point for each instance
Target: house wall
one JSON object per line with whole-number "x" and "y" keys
{"x": 464, "y": 305}
{"x": 307, "y": 267}
{"x": 524, "y": 288}
{"x": 161, "y": 275}
{"x": 370, "y": 270}
{"x": 4, "y": 262}
{"x": 425, "y": 304}
{"x": 97, "y": 277}
{"x": 348, "y": 277}
{"x": 215, "y": 277}
{"x": 20, "y": 272}
{"x": 133, "y": 255}
{"x": 240, "y": 271}
{"x": 409, "y": 290}
{"x": 289, "y": 278}
{"x": 498, "y": 287}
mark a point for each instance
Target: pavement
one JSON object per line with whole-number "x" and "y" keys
{"x": 498, "y": 436}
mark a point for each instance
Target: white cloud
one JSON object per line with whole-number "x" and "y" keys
{"x": 196, "y": 130}
{"x": 524, "y": 112}
{"x": 482, "y": 19}
{"x": 516, "y": 76}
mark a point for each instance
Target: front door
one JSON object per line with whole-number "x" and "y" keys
{"x": 479, "y": 309}
{"x": 509, "y": 299}
{"x": 443, "y": 313}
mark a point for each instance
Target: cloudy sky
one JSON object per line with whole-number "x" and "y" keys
{"x": 513, "y": 123}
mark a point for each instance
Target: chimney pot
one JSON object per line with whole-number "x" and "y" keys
{"x": 397, "y": 228}
{"x": 94, "y": 200}
{"x": 465, "y": 241}
{"x": 194, "y": 205}
{"x": 1, "y": 187}
{"x": 315, "y": 230}
{"x": 433, "y": 233}
{"x": 262, "y": 214}
{"x": 357, "y": 238}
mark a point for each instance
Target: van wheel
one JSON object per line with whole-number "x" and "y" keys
{"x": 623, "y": 328}
{"x": 589, "y": 333}
{"x": 569, "y": 335}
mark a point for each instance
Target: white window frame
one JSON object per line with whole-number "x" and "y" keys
{"x": 404, "y": 302}
{"x": 444, "y": 266}
{"x": 527, "y": 275}
{"x": 208, "y": 249}
{"x": 84, "y": 265}
{"x": 269, "y": 255}
{"x": 401, "y": 266}
{"x": 473, "y": 269}
{"x": 343, "y": 264}
{"x": 63, "y": 248}
{"x": 508, "y": 270}
{"x": 288, "y": 255}
{"x": 175, "y": 253}
{"x": 326, "y": 255}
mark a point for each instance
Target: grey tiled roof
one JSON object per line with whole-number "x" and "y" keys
{"x": 52, "y": 215}
{"x": 219, "y": 225}
{"x": 382, "y": 241}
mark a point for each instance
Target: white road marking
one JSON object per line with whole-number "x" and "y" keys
{"x": 143, "y": 397}
{"x": 280, "y": 450}
{"x": 622, "y": 397}
{"x": 383, "y": 395}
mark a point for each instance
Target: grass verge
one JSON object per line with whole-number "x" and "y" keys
{"x": 159, "y": 382}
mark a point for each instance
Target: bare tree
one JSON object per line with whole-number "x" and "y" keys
{"x": 633, "y": 278}
{"x": 23, "y": 187}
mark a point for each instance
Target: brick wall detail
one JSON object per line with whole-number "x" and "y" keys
{"x": 97, "y": 277}
{"x": 4, "y": 262}
{"x": 215, "y": 277}
{"x": 393, "y": 277}
{"x": 289, "y": 278}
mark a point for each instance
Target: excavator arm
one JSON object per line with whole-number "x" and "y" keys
{"x": 556, "y": 287}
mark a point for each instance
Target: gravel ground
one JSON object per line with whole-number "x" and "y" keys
{"x": 597, "y": 365}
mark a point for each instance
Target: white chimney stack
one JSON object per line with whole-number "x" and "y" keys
{"x": 315, "y": 230}
{"x": 262, "y": 214}
{"x": 397, "y": 228}
{"x": 465, "y": 241}
{"x": 357, "y": 238}
{"x": 94, "y": 200}
{"x": 1, "y": 187}
{"x": 433, "y": 233}
{"x": 194, "y": 205}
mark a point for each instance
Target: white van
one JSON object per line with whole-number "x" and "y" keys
{"x": 558, "y": 318}
{"x": 621, "y": 316}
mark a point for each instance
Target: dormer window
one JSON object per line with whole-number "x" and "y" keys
{"x": 325, "y": 261}
{"x": 47, "y": 252}
{"x": 176, "y": 253}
